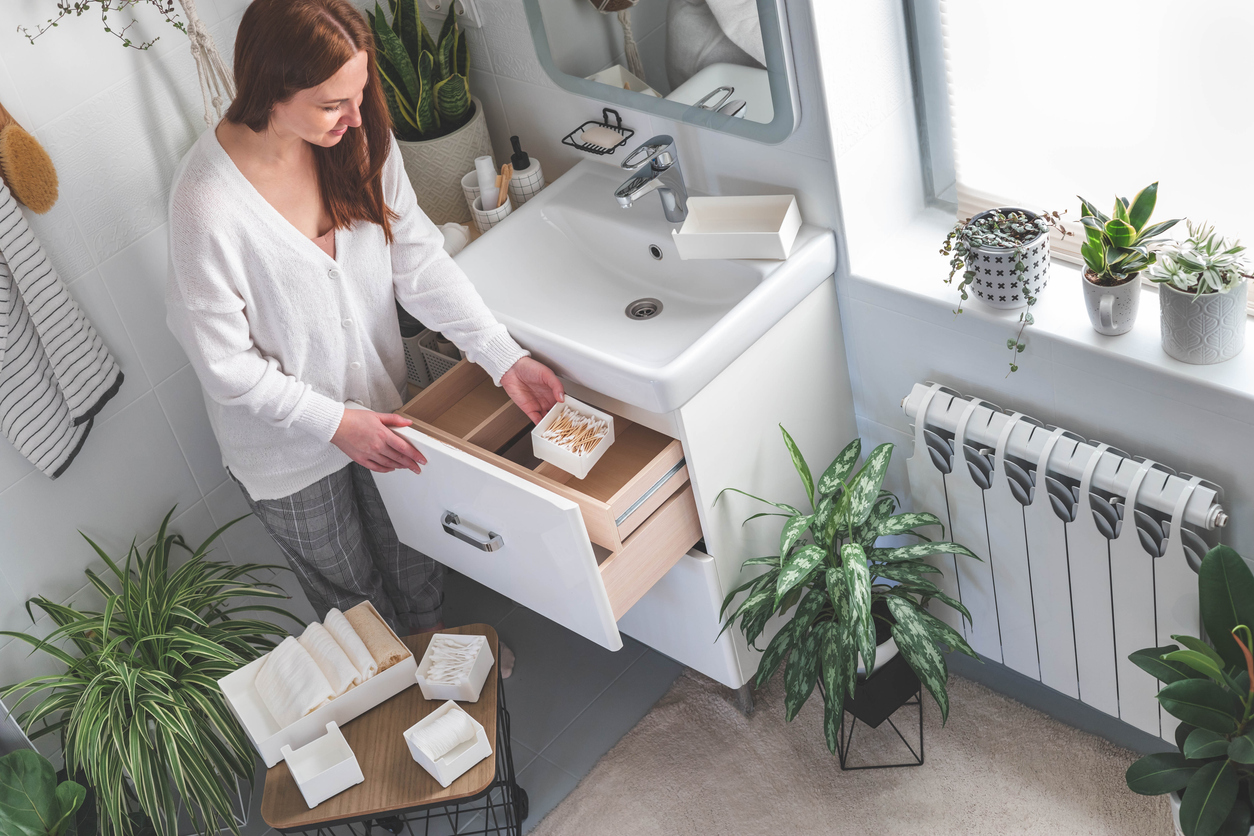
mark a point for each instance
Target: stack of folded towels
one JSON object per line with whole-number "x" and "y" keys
{"x": 302, "y": 675}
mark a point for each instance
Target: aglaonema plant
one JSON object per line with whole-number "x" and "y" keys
{"x": 835, "y": 579}
{"x": 1210, "y": 689}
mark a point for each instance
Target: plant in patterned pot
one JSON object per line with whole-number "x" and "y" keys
{"x": 834, "y": 583}
{"x": 1116, "y": 249}
{"x": 440, "y": 128}
{"x": 1210, "y": 689}
{"x": 1002, "y": 257}
{"x": 1203, "y": 292}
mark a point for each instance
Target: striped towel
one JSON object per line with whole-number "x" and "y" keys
{"x": 55, "y": 371}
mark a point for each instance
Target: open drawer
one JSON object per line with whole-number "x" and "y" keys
{"x": 578, "y": 551}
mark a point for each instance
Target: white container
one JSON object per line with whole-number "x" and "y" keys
{"x": 1203, "y": 329}
{"x": 467, "y": 689}
{"x": 485, "y": 219}
{"x": 435, "y": 167}
{"x": 622, "y": 78}
{"x": 269, "y": 737}
{"x": 325, "y": 767}
{"x": 526, "y": 183}
{"x": 762, "y": 226}
{"x": 454, "y": 764}
{"x": 470, "y": 189}
{"x": 577, "y": 466}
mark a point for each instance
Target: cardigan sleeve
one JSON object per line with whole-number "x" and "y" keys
{"x": 205, "y": 312}
{"x": 430, "y": 285}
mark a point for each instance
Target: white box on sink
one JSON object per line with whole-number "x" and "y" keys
{"x": 454, "y": 764}
{"x": 467, "y": 689}
{"x": 752, "y": 226}
{"x": 323, "y": 768}
{"x": 269, "y": 737}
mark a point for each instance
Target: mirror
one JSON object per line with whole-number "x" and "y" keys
{"x": 721, "y": 64}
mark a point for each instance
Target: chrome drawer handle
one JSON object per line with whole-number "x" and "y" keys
{"x": 493, "y": 543}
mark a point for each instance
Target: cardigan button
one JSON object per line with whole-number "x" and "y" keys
{"x": 354, "y": 365}
{"x": 333, "y": 273}
{"x": 348, "y": 323}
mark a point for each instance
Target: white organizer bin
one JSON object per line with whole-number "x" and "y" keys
{"x": 269, "y": 737}
{"x": 577, "y": 466}
{"x": 762, "y": 226}
{"x": 454, "y": 764}
{"x": 323, "y": 768}
{"x": 468, "y": 689}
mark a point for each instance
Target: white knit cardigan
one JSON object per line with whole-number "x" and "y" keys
{"x": 282, "y": 336}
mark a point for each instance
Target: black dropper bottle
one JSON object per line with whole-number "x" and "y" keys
{"x": 519, "y": 159}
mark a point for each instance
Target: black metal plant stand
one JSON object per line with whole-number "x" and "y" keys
{"x": 891, "y": 687}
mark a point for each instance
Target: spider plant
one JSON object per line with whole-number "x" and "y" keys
{"x": 137, "y": 707}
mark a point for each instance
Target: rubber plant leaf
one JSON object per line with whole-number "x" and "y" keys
{"x": 1226, "y": 595}
{"x": 1240, "y": 749}
{"x": 1204, "y": 744}
{"x": 1202, "y": 703}
{"x": 1150, "y": 660}
{"x": 1208, "y": 798}
{"x": 1159, "y": 773}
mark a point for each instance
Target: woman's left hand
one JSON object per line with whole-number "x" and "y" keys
{"x": 533, "y": 386}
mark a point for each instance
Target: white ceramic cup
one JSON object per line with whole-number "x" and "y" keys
{"x": 485, "y": 219}
{"x": 470, "y": 188}
{"x": 1112, "y": 310}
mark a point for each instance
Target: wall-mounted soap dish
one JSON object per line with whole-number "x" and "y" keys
{"x": 605, "y": 129}
{"x": 756, "y": 226}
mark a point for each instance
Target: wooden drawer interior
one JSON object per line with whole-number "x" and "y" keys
{"x": 638, "y": 474}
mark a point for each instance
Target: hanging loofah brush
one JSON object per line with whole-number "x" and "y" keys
{"x": 25, "y": 166}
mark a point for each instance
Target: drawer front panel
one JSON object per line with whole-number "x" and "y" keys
{"x": 503, "y": 531}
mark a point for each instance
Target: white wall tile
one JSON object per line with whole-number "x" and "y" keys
{"x": 541, "y": 116}
{"x": 60, "y": 237}
{"x": 484, "y": 88}
{"x": 136, "y": 281}
{"x": 181, "y": 398}
{"x": 510, "y": 44}
{"x": 93, "y": 297}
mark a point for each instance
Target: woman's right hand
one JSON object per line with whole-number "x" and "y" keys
{"x": 366, "y": 438}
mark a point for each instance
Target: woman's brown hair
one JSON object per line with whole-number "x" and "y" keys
{"x": 285, "y": 46}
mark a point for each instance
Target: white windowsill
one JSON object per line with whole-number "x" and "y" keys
{"x": 910, "y": 263}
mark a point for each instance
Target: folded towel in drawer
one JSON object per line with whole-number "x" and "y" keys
{"x": 352, "y": 645}
{"x": 378, "y": 638}
{"x": 330, "y": 659}
{"x": 291, "y": 684}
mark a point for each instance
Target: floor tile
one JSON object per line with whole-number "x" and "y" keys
{"x": 468, "y": 602}
{"x": 557, "y": 675}
{"x": 614, "y": 713}
{"x": 522, "y": 756}
{"x": 546, "y": 785}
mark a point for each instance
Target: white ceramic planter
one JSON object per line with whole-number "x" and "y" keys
{"x": 883, "y": 655}
{"x": 1203, "y": 329}
{"x": 994, "y": 283}
{"x": 1112, "y": 310}
{"x": 1175, "y": 814}
{"x": 435, "y": 168}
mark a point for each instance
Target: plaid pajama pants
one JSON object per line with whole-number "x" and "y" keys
{"x": 339, "y": 541}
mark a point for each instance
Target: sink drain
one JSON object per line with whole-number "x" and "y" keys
{"x": 644, "y": 308}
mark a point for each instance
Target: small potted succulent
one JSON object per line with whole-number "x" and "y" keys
{"x": 1003, "y": 258}
{"x": 1203, "y": 291}
{"x": 848, "y": 602}
{"x": 1116, "y": 249}
{"x": 1210, "y": 689}
{"x": 440, "y": 128}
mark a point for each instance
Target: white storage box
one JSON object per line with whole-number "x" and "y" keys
{"x": 576, "y": 465}
{"x": 324, "y": 768}
{"x": 622, "y": 78}
{"x": 454, "y": 764}
{"x": 739, "y": 227}
{"x": 270, "y": 738}
{"x": 467, "y": 690}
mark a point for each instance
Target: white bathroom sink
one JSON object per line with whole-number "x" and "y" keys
{"x": 562, "y": 270}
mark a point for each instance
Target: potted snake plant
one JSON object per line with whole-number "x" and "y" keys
{"x": 1203, "y": 291}
{"x": 845, "y": 591}
{"x": 137, "y": 706}
{"x": 439, "y": 126}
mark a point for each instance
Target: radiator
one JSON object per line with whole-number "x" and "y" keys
{"x": 1087, "y": 553}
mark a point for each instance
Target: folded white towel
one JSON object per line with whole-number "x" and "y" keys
{"x": 331, "y": 660}
{"x": 290, "y": 683}
{"x": 352, "y": 645}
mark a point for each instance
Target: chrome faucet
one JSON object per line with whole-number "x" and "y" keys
{"x": 662, "y": 175}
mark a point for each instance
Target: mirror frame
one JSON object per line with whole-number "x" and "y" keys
{"x": 779, "y": 67}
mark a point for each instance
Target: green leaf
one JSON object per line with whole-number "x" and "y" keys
{"x": 69, "y": 796}
{"x": 905, "y": 572}
{"x": 1199, "y": 662}
{"x": 390, "y": 46}
{"x": 798, "y": 569}
{"x": 841, "y": 466}
{"x": 780, "y": 505}
{"x": 1143, "y": 206}
{"x": 1120, "y": 233}
{"x": 1150, "y": 233}
{"x": 426, "y": 114}
{"x": 864, "y": 489}
{"x": 947, "y": 635}
{"x": 1121, "y": 208}
{"x": 920, "y": 550}
{"x": 1203, "y": 744}
{"x": 1226, "y": 596}
{"x": 1087, "y": 209}
{"x": 906, "y": 523}
{"x": 1240, "y": 749}
{"x": 788, "y": 635}
{"x": 834, "y": 672}
{"x": 918, "y": 646}
{"x": 1208, "y": 798}
{"x": 1159, "y": 774}
{"x": 1238, "y": 821}
{"x": 1202, "y": 703}
{"x": 791, "y": 532}
{"x": 801, "y": 673}
{"x": 799, "y": 464}
{"x": 1150, "y": 660}
{"x": 452, "y": 98}
{"x": 28, "y": 795}
{"x": 858, "y": 583}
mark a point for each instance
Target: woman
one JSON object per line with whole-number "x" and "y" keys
{"x": 293, "y": 229}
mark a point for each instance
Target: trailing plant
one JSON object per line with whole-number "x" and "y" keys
{"x": 1118, "y": 247}
{"x": 78, "y": 8}
{"x": 1210, "y": 689}
{"x": 137, "y": 706}
{"x": 835, "y": 579}
{"x": 427, "y": 81}
{"x": 32, "y": 803}
{"x": 1204, "y": 262}
{"x": 1012, "y": 230}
